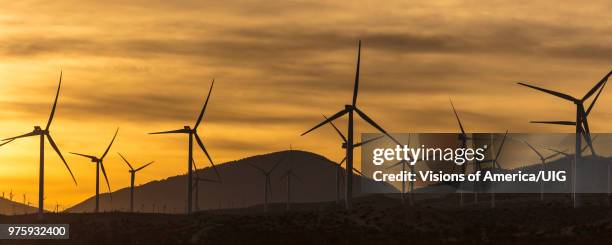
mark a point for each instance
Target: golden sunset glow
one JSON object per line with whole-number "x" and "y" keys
{"x": 146, "y": 66}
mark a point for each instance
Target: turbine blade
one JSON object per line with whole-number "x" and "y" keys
{"x": 105, "y": 177}
{"x": 457, "y": 116}
{"x": 357, "y": 171}
{"x": 569, "y": 123}
{"x": 342, "y": 162}
{"x": 555, "y": 93}
{"x": 337, "y": 115}
{"x": 599, "y": 84}
{"x": 52, "y": 142}
{"x": 6, "y": 142}
{"x": 595, "y": 99}
{"x": 367, "y": 141}
{"x": 21, "y": 136}
{"x": 587, "y": 132}
{"x": 54, "y": 103}
{"x": 533, "y": 149}
{"x": 205, "y": 104}
{"x": 396, "y": 164}
{"x": 109, "y": 145}
{"x": 553, "y": 155}
{"x": 371, "y": 122}
{"x": 499, "y": 151}
{"x": 277, "y": 163}
{"x": 256, "y": 167}
{"x": 336, "y": 129}
{"x": 559, "y": 152}
{"x": 126, "y": 161}
{"x": 178, "y": 131}
{"x": 197, "y": 137}
{"x": 144, "y": 166}
{"x": 356, "y": 87}
{"x": 83, "y": 155}
{"x": 296, "y": 177}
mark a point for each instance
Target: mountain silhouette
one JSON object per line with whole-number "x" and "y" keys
{"x": 241, "y": 186}
{"x": 8, "y": 207}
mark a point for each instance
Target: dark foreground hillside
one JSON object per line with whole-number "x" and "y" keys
{"x": 517, "y": 219}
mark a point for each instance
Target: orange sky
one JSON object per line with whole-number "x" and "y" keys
{"x": 146, "y": 66}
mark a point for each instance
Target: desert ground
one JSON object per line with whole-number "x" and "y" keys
{"x": 377, "y": 219}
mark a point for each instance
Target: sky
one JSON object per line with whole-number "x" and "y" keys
{"x": 146, "y": 66}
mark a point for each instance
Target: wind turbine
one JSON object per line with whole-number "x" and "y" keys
{"x": 404, "y": 163}
{"x": 339, "y": 165}
{"x": 38, "y": 131}
{"x": 197, "y": 184}
{"x": 463, "y": 138}
{"x": 100, "y": 164}
{"x": 581, "y": 123}
{"x": 564, "y": 153}
{"x": 288, "y": 174}
{"x": 542, "y": 165}
{"x": 350, "y": 109}
{"x": 191, "y": 132}
{"x": 496, "y": 165}
{"x": 132, "y": 178}
{"x": 268, "y": 183}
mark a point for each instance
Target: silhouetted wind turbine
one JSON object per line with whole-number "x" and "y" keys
{"x": 196, "y": 185}
{"x": 463, "y": 138}
{"x": 564, "y": 153}
{"x": 132, "y": 178}
{"x": 496, "y": 165}
{"x": 193, "y": 132}
{"x": 339, "y": 165}
{"x": 404, "y": 163}
{"x": 581, "y": 123}
{"x": 349, "y": 109}
{"x": 542, "y": 165}
{"x": 288, "y": 175}
{"x": 268, "y": 183}
{"x": 100, "y": 164}
{"x": 38, "y": 131}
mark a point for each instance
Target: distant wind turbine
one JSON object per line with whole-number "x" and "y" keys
{"x": 496, "y": 165}
{"x": 132, "y": 178}
{"x": 288, "y": 175}
{"x": 542, "y": 165}
{"x": 193, "y": 132}
{"x": 349, "y": 109}
{"x": 268, "y": 183}
{"x": 38, "y": 131}
{"x": 100, "y": 164}
{"x": 196, "y": 185}
{"x": 403, "y": 163}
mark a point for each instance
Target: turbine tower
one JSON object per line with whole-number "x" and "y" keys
{"x": 38, "y": 131}
{"x": 100, "y": 164}
{"x": 542, "y": 165}
{"x": 404, "y": 163}
{"x": 196, "y": 185}
{"x": 288, "y": 175}
{"x": 132, "y": 178}
{"x": 350, "y": 109}
{"x": 581, "y": 122}
{"x": 268, "y": 183}
{"x": 193, "y": 133}
{"x": 339, "y": 165}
